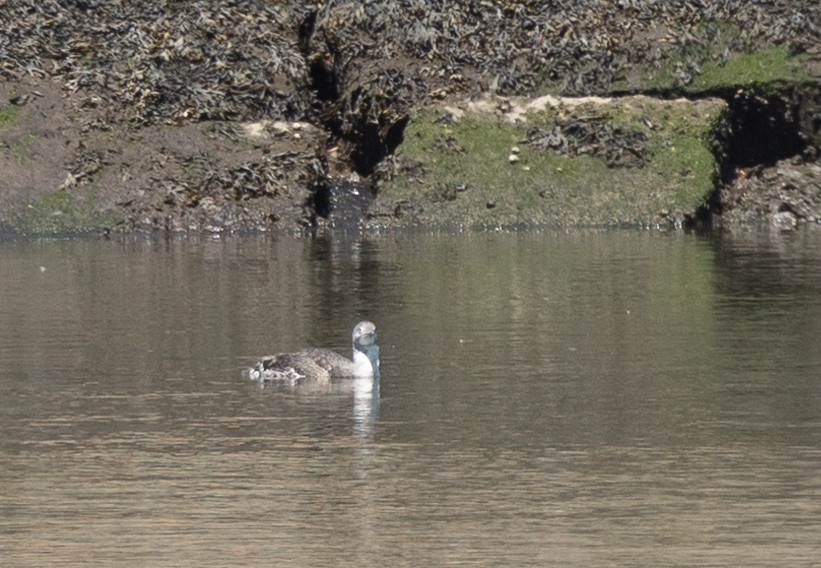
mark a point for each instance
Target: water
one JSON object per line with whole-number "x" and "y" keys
{"x": 583, "y": 399}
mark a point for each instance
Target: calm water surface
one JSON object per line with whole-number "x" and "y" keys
{"x": 583, "y": 399}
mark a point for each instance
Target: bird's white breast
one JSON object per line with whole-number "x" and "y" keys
{"x": 362, "y": 365}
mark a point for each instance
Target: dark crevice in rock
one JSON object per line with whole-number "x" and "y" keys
{"x": 306, "y": 30}
{"x": 355, "y": 111}
{"x": 324, "y": 81}
{"x": 394, "y": 137}
{"x": 322, "y": 201}
{"x": 761, "y": 127}
{"x": 323, "y": 77}
{"x": 373, "y": 144}
{"x": 712, "y": 208}
{"x": 348, "y": 109}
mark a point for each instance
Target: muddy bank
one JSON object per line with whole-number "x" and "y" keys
{"x": 62, "y": 176}
{"x": 251, "y": 116}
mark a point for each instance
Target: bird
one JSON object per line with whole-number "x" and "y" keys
{"x": 319, "y": 365}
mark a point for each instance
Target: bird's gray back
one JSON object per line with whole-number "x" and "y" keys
{"x": 314, "y": 364}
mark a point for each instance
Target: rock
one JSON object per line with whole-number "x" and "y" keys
{"x": 785, "y": 220}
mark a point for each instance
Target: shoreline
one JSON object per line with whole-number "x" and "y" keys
{"x": 350, "y": 120}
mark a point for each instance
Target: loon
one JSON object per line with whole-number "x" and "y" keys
{"x": 322, "y": 365}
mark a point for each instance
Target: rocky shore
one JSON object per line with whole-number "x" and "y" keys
{"x": 285, "y": 116}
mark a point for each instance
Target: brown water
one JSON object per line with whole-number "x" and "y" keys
{"x": 584, "y": 399}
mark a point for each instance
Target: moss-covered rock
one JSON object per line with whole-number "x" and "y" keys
{"x": 715, "y": 57}
{"x": 61, "y": 212}
{"x": 477, "y": 166}
{"x": 8, "y": 115}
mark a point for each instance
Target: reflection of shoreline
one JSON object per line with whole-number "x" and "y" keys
{"x": 365, "y": 406}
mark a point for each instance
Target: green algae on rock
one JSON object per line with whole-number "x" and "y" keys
{"x": 472, "y": 165}
{"x": 716, "y": 57}
{"x": 8, "y": 115}
{"x": 61, "y": 212}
